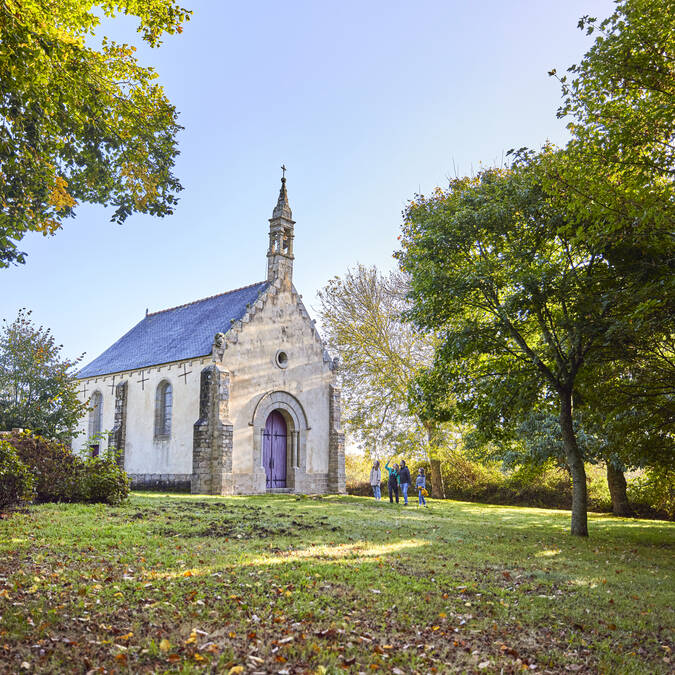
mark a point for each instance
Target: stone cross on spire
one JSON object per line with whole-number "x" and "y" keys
{"x": 280, "y": 251}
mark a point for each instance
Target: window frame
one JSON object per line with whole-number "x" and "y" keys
{"x": 163, "y": 410}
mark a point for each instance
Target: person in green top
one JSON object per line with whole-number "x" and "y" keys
{"x": 392, "y": 483}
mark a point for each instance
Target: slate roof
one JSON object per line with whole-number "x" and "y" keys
{"x": 182, "y": 332}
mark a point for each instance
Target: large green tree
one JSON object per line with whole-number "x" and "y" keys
{"x": 616, "y": 180}
{"x": 38, "y": 390}
{"x": 380, "y": 355}
{"x": 619, "y": 166}
{"x": 80, "y": 119}
{"x": 525, "y": 312}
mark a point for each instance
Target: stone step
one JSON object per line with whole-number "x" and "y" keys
{"x": 279, "y": 491}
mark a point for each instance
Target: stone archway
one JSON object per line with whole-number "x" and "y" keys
{"x": 297, "y": 429}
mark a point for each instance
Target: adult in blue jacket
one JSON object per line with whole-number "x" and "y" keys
{"x": 404, "y": 480}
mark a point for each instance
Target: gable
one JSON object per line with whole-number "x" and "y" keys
{"x": 174, "y": 334}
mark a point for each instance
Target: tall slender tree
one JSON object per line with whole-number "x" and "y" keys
{"x": 380, "y": 355}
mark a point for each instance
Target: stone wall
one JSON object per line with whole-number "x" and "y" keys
{"x": 179, "y": 482}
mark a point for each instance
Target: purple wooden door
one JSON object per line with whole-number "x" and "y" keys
{"x": 274, "y": 450}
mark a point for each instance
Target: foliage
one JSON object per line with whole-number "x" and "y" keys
{"x": 654, "y": 490}
{"x": 101, "y": 479}
{"x": 82, "y": 120}
{"x": 630, "y": 404}
{"x": 53, "y": 464}
{"x": 619, "y": 166}
{"x": 379, "y": 356}
{"x": 337, "y": 584}
{"x": 16, "y": 481}
{"x": 544, "y": 484}
{"x": 37, "y": 387}
{"x": 62, "y": 476}
{"x": 529, "y": 315}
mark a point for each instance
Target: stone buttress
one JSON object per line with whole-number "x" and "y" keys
{"x": 212, "y": 435}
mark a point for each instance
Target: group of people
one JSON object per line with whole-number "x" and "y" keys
{"x": 399, "y": 478}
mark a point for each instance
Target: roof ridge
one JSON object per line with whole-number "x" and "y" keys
{"x": 209, "y": 297}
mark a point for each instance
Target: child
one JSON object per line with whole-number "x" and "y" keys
{"x": 421, "y": 484}
{"x": 376, "y": 479}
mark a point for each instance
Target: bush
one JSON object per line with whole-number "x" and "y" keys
{"x": 653, "y": 493}
{"x": 16, "y": 480}
{"x": 62, "y": 476}
{"x": 53, "y": 465}
{"x": 543, "y": 485}
{"x": 101, "y": 479}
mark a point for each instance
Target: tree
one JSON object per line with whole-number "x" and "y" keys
{"x": 524, "y": 311}
{"x": 37, "y": 387}
{"x": 619, "y": 166}
{"x": 616, "y": 180}
{"x": 380, "y": 355}
{"x": 630, "y": 405}
{"x": 80, "y": 123}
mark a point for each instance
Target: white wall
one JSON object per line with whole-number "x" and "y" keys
{"x": 144, "y": 454}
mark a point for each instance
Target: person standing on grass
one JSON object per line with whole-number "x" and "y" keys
{"x": 392, "y": 482}
{"x": 405, "y": 480}
{"x": 376, "y": 479}
{"x": 421, "y": 484}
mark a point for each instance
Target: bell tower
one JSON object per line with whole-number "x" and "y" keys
{"x": 280, "y": 252}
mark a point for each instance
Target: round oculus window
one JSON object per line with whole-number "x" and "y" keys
{"x": 281, "y": 359}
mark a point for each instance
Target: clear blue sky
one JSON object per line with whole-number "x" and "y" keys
{"x": 365, "y": 102}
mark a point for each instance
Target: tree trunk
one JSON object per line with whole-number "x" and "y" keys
{"x": 617, "y": 489}
{"x": 575, "y": 462}
{"x": 436, "y": 478}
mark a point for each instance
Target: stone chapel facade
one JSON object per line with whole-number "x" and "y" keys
{"x": 232, "y": 394}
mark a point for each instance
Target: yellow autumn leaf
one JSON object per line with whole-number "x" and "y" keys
{"x": 235, "y": 670}
{"x": 164, "y": 645}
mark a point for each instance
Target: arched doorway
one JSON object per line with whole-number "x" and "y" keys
{"x": 274, "y": 450}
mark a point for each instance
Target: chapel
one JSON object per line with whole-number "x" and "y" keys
{"x": 232, "y": 394}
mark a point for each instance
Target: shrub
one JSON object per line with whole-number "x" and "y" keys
{"x": 53, "y": 465}
{"x": 62, "y": 476}
{"x": 16, "y": 480}
{"x": 653, "y": 493}
{"x": 101, "y": 479}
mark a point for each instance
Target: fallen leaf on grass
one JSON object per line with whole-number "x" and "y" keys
{"x": 164, "y": 645}
{"x": 235, "y": 670}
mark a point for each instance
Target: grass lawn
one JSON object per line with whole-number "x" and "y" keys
{"x": 285, "y": 584}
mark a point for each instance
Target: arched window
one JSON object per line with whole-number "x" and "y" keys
{"x": 163, "y": 405}
{"x": 95, "y": 417}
